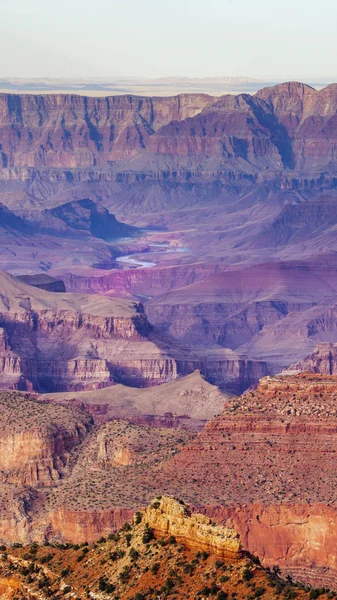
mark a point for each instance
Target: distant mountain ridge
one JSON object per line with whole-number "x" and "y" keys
{"x": 288, "y": 126}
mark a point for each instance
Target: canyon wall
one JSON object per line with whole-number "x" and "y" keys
{"x": 282, "y": 127}
{"x": 322, "y": 360}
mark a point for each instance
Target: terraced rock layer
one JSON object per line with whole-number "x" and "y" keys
{"x": 54, "y": 342}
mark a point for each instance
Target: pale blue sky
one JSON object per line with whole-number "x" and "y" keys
{"x": 195, "y": 38}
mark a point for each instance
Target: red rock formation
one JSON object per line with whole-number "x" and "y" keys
{"x": 36, "y": 449}
{"x": 72, "y": 525}
{"x": 265, "y": 467}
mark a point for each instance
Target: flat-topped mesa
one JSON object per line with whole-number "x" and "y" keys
{"x": 167, "y": 516}
{"x": 292, "y": 398}
{"x": 322, "y": 360}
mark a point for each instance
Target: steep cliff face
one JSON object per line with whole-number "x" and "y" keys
{"x": 287, "y": 126}
{"x": 298, "y": 537}
{"x": 141, "y": 281}
{"x": 308, "y": 117}
{"x": 74, "y": 131}
{"x": 263, "y": 467}
{"x": 73, "y": 342}
{"x": 13, "y": 370}
{"x": 37, "y": 449}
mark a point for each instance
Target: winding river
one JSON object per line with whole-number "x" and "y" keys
{"x": 130, "y": 260}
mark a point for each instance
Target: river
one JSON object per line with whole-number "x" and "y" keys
{"x": 140, "y": 263}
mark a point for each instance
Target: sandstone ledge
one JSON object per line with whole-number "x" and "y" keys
{"x": 167, "y": 516}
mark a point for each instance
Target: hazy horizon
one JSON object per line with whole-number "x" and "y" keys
{"x": 220, "y": 38}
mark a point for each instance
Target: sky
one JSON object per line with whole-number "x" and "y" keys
{"x": 289, "y": 39}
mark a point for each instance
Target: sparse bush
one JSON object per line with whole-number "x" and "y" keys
{"x": 138, "y": 518}
{"x": 147, "y": 535}
{"x": 134, "y": 555}
{"x": 172, "y": 540}
{"x": 247, "y": 574}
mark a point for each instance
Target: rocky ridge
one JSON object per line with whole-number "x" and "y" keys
{"x": 168, "y": 517}
{"x": 144, "y": 562}
{"x": 187, "y": 402}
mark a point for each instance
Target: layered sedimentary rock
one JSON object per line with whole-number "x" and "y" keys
{"x": 267, "y": 465}
{"x": 74, "y": 342}
{"x": 322, "y": 360}
{"x": 263, "y": 467}
{"x": 74, "y": 131}
{"x": 12, "y": 367}
{"x": 166, "y": 516}
{"x": 65, "y": 342}
{"x": 284, "y": 126}
{"x": 204, "y": 563}
{"x": 36, "y": 449}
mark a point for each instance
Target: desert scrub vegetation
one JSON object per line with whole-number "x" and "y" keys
{"x": 144, "y": 572}
{"x": 23, "y": 413}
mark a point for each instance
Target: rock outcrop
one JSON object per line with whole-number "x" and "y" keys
{"x": 322, "y": 360}
{"x": 72, "y": 342}
{"x": 167, "y": 516}
{"x": 36, "y": 449}
{"x": 135, "y": 564}
{"x": 264, "y": 468}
